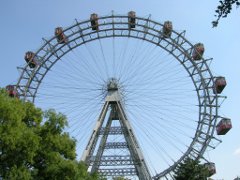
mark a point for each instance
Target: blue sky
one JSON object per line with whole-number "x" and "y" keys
{"x": 25, "y": 22}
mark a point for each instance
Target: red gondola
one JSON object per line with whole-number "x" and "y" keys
{"x": 61, "y": 38}
{"x": 94, "y": 21}
{"x": 167, "y": 29}
{"x": 31, "y": 59}
{"x": 219, "y": 85}
{"x": 11, "y": 90}
{"x": 224, "y": 126}
{"x": 198, "y": 51}
{"x": 131, "y": 19}
{"x": 211, "y": 168}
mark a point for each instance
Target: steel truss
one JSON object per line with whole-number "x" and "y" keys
{"x": 135, "y": 159}
{"x": 118, "y": 172}
{"x": 148, "y": 30}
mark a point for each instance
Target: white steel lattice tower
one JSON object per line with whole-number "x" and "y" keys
{"x": 119, "y": 156}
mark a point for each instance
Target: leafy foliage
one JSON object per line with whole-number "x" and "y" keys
{"x": 191, "y": 170}
{"x": 118, "y": 178}
{"x": 223, "y": 9}
{"x": 31, "y": 148}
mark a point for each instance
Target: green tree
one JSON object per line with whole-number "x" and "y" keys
{"x": 33, "y": 144}
{"x": 223, "y": 9}
{"x": 191, "y": 170}
{"x": 119, "y": 178}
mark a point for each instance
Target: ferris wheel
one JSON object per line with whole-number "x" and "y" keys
{"x": 139, "y": 97}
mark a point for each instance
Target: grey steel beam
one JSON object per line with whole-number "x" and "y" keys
{"x": 134, "y": 148}
{"x": 97, "y": 161}
{"x": 118, "y": 172}
{"x": 111, "y": 130}
{"x": 113, "y": 160}
{"x": 93, "y": 139}
{"x": 116, "y": 145}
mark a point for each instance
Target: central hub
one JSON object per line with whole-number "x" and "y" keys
{"x": 113, "y": 90}
{"x": 112, "y": 84}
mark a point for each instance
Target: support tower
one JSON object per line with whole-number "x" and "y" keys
{"x": 112, "y": 149}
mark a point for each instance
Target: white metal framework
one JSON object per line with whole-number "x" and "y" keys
{"x": 134, "y": 158}
{"x": 149, "y": 31}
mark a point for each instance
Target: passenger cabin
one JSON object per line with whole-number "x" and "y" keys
{"x": 224, "y": 126}
{"x": 11, "y": 90}
{"x": 94, "y": 21}
{"x": 61, "y": 37}
{"x": 31, "y": 59}
{"x": 198, "y": 51}
{"x": 131, "y": 19}
{"x": 211, "y": 168}
{"x": 167, "y": 29}
{"x": 219, "y": 85}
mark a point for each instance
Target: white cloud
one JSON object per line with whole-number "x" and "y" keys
{"x": 237, "y": 152}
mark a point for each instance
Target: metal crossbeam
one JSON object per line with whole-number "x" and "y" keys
{"x": 116, "y": 145}
{"x": 118, "y": 172}
{"x": 113, "y": 160}
{"x": 112, "y": 130}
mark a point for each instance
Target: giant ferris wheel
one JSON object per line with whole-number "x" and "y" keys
{"x": 139, "y": 97}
